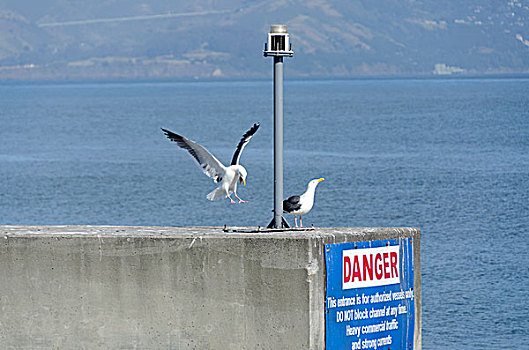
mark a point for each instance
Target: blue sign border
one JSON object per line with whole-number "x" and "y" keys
{"x": 340, "y": 333}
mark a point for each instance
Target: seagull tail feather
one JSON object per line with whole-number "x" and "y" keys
{"x": 217, "y": 193}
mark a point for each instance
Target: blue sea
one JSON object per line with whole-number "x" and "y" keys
{"x": 450, "y": 156}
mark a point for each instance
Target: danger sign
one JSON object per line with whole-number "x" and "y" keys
{"x": 370, "y": 296}
{"x": 370, "y": 267}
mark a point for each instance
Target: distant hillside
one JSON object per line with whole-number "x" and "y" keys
{"x": 59, "y": 39}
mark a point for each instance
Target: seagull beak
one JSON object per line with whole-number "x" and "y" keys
{"x": 321, "y": 179}
{"x": 241, "y": 181}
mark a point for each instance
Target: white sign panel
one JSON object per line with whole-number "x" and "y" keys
{"x": 370, "y": 267}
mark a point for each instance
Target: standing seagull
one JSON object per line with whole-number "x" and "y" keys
{"x": 227, "y": 176}
{"x": 301, "y": 205}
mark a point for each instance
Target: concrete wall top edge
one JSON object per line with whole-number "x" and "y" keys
{"x": 327, "y": 234}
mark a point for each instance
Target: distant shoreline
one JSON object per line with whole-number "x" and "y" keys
{"x": 490, "y": 76}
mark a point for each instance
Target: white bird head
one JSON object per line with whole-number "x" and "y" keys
{"x": 315, "y": 182}
{"x": 242, "y": 174}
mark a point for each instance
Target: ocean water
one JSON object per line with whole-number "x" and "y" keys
{"x": 450, "y": 156}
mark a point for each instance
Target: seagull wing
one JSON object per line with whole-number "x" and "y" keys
{"x": 209, "y": 164}
{"x": 292, "y": 204}
{"x": 244, "y": 141}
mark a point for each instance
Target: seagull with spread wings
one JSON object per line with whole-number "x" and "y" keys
{"x": 212, "y": 167}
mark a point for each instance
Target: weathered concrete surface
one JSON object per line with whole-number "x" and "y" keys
{"x": 90, "y": 287}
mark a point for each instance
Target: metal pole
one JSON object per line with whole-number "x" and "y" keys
{"x": 278, "y": 141}
{"x": 278, "y": 46}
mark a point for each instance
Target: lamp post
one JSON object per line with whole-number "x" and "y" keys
{"x": 278, "y": 46}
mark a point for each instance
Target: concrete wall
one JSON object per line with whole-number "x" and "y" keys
{"x": 89, "y": 287}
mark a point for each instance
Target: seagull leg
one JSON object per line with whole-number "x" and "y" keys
{"x": 300, "y": 222}
{"x": 296, "y": 221}
{"x": 232, "y": 201}
{"x": 239, "y": 198}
